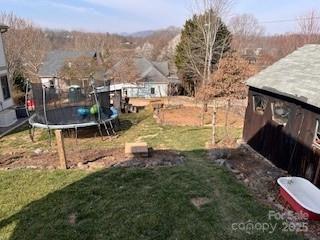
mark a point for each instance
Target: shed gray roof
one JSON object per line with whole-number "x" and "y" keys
{"x": 55, "y": 60}
{"x": 296, "y": 76}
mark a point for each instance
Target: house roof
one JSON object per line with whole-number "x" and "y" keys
{"x": 151, "y": 72}
{"x": 296, "y": 76}
{"x": 55, "y": 60}
{"x": 163, "y": 67}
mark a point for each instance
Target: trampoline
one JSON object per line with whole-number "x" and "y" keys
{"x": 61, "y": 106}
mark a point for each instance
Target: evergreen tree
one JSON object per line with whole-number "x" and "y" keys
{"x": 195, "y": 45}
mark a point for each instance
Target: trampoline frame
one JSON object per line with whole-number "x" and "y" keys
{"x": 69, "y": 126}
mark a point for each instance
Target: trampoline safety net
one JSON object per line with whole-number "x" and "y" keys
{"x": 71, "y": 105}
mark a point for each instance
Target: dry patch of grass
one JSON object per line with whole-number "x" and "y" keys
{"x": 200, "y": 201}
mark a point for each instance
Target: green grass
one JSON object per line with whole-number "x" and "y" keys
{"x": 132, "y": 203}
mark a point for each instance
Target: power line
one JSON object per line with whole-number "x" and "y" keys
{"x": 288, "y": 20}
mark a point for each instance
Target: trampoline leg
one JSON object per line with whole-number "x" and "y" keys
{"x": 50, "y": 137}
{"x": 112, "y": 128}
{"x": 76, "y": 132}
{"x": 31, "y": 133}
{"x": 118, "y": 122}
{"x": 99, "y": 127}
{"x": 106, "y": 128}
{"x": 69, "y": 133}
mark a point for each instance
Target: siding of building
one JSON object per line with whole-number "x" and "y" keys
{"x": 142, "y": 90}
{"x": 289, "y": 146}
{"x": 4, "y": 104}
{"x": 2, "y": 55}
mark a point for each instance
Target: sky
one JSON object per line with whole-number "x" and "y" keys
{"x": 118, "y": 16}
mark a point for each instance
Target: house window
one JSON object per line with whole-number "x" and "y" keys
{"x": 260, "y": 104}
{"x": 153, "y": 90}
{"x": 316, "y": 140}
{"x": 5, "y": 87}
{"x": 280, "y": 112}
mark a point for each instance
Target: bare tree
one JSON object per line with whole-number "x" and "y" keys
{"x": 36, "y": 47}
{"x": 122, "y": 67}
{"x": 94, "y": 41}
{"x": 245, "y": 30}
{"x": 147, "y": 51}
{"x": 309, "y": 26}
{"x": 25, "y": 46}
{"x": 159, "y": 40}
{"x": 80, "y": 68}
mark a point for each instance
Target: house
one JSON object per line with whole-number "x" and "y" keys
{"x": 55, "y": 61}
{"x": 155, "y": 80}
{"x": 7, "y": 113}
{"x": 282, "y": 120}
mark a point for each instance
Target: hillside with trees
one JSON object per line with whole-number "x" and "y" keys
{"x": 194, "y": 51}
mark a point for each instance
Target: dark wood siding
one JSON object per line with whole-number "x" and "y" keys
{"x": 289, "y": 146}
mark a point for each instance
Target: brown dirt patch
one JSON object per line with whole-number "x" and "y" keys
{"x": 156, "y": 158}
{"x": 89, "y": 159}
{"x": 72, "y": 219}
{"x": 191, "y": 116}
{"x": 28, "y": 161}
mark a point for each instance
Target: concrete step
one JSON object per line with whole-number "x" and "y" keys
{"x": 137, "y": 149}
{"x": 8, "y": 117}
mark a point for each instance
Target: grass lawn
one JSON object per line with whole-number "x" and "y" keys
{"x": 131, "y": 203}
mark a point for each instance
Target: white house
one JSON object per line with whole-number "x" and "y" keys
{"x": 154, "y": 80}
{"x": 7, "y": 113}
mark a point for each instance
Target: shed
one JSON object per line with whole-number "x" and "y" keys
{"x": 282, "y": 120}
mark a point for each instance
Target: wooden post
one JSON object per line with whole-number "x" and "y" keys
{"x": 227, "y": 118}
{"x": 213, "y": 142}
{"x": 203, "y": 111}
{"x": 61, "y": 150}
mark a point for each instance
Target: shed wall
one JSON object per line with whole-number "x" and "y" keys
{"x": 289, "y": 146}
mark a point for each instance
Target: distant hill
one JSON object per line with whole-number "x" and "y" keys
{"x": 148, "y": 33}
{"x": 142, "y": 34}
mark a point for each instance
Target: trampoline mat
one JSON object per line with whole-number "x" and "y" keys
{"x": 69, "y": 116}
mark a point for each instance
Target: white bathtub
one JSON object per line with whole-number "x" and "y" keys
{"x": 302, "y": 195}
